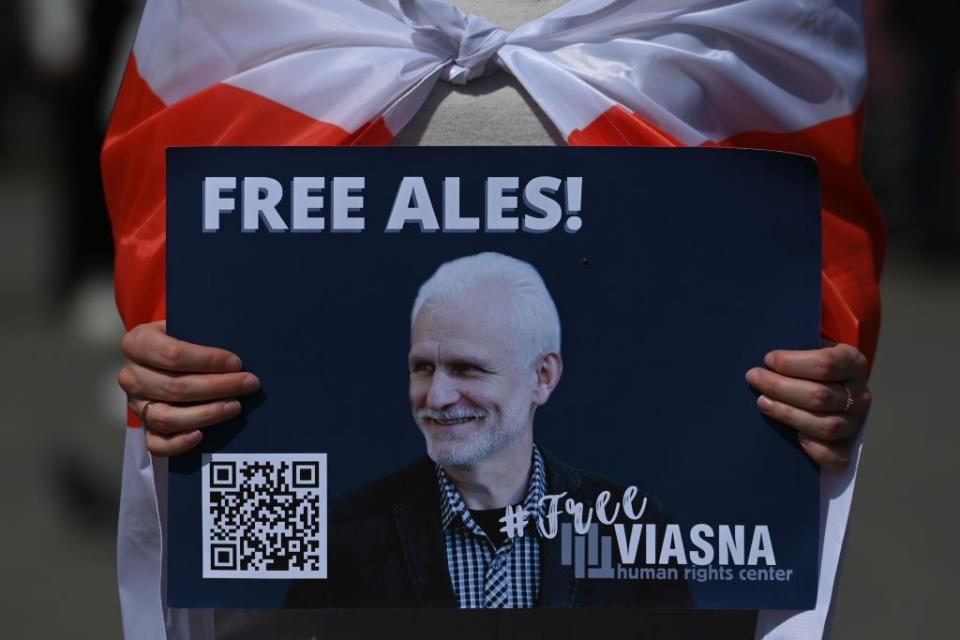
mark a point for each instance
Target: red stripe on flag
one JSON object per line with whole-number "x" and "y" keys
{"x": 854, "y": 234}
{"x": 134, "y": 176}
{"x": 617, "y": 127}
{"x": 141, "y": 128}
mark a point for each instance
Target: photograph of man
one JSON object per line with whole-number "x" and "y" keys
{"x": 484, "y": 356}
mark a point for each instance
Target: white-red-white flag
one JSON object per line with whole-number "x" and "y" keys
{"x": 772, "y": 74}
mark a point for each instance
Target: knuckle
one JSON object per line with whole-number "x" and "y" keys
{"x": 176, "y": 388}
{"x": 847, "y": 355}
{"x": 162, "y": 445}
{"x": 845, "y": 349}
{"x": 822, "y": 398}
{"x": 156, "y": 445}
{"x": 161, "y": 419}
{"x": 213, "y": 359}
{"x": 127, "y": 381}
{"x": 832, "y": 428}
{"x": 223, "y": 385}
{"x": 860, "y": 362}
{"x": 128, "y": 343}
{"x": 849, "y": 359}
{"x": 159, "y": 425}
{"x": 171, "y": 355}
{"x": 824, "y": 366}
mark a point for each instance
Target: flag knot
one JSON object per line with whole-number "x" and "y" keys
{"x": 468, "y": 43}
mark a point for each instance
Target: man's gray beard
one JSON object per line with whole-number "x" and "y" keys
{"x": 489, "y": 439}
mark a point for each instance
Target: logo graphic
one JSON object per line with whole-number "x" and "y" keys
{"x": 591, "y": 554}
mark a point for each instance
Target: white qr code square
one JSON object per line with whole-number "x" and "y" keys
{"x": 264, "y": 515}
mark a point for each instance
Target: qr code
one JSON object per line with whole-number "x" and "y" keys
{"x": 264, "y": 515}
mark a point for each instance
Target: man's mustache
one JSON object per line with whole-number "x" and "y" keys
{"x": 448, "y": 415}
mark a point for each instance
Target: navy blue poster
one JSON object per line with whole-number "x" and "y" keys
{"x": 494, "y": 377}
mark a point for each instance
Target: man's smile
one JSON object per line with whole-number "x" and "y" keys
{"x": 448, "y": 418}
{"x": 450, "y": 421}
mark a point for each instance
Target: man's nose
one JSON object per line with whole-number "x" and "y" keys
{"x": 442, "y": 392}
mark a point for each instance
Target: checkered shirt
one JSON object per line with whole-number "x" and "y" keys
{"x": 482, "y": 575}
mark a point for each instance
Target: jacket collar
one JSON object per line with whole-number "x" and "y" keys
{"x": 421, "y": 539}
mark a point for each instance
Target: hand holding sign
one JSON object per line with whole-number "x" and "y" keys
{"x": 186, "y": 386}
{"x": 822, "y": 393}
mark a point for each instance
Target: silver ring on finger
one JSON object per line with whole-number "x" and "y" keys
{"x": 143, "y": 413}
{"x": 848, "y": 402}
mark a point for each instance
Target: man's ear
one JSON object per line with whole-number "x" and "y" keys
{"x": 548, "y": 377}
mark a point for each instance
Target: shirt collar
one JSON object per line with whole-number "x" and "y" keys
{"x": 452, "y": 506}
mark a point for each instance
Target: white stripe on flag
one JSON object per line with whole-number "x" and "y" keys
{"x": 836, "y": 494}
{"x": 141, "y": 549}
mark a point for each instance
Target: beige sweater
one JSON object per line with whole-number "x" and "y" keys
{"x": 492, "y": 110}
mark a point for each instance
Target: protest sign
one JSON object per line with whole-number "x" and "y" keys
{"x": 421, "y": 317}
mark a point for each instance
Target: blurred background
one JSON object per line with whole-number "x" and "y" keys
{"x": 62, "y": 414}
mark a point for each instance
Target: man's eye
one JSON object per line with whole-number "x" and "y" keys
{"x": 465, "y": 367}
{"x": 421, "y": 367}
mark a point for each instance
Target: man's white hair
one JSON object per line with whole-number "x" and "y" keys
{"x": 534, "y": 324}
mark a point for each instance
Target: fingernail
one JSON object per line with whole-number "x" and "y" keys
{"x": 768, "y": 359}
{"x": 196, "y": 436}
{"x": 764, "y": 403}
{"x": 753, "y": 376}
{"x": 250, "y": 384}
{"x": 234, "y": 364}
{"x": 231, "y": 408}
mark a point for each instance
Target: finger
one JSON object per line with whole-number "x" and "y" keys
{"x": 829, "y": 427}
{"x": 160, "y": 444}
{"x": 149, "y": 344}
{"x": 829, "y": 455}
{"x": 828, "y": 364}
{"x": 824, "y": 397}
{"x": 168, "y": 419}
{"x": 143, "y": 382}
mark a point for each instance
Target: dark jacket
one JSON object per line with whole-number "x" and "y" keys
{"x": 386, "y": 549}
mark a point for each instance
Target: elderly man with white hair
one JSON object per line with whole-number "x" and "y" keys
{"x": 484, "y": 356}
